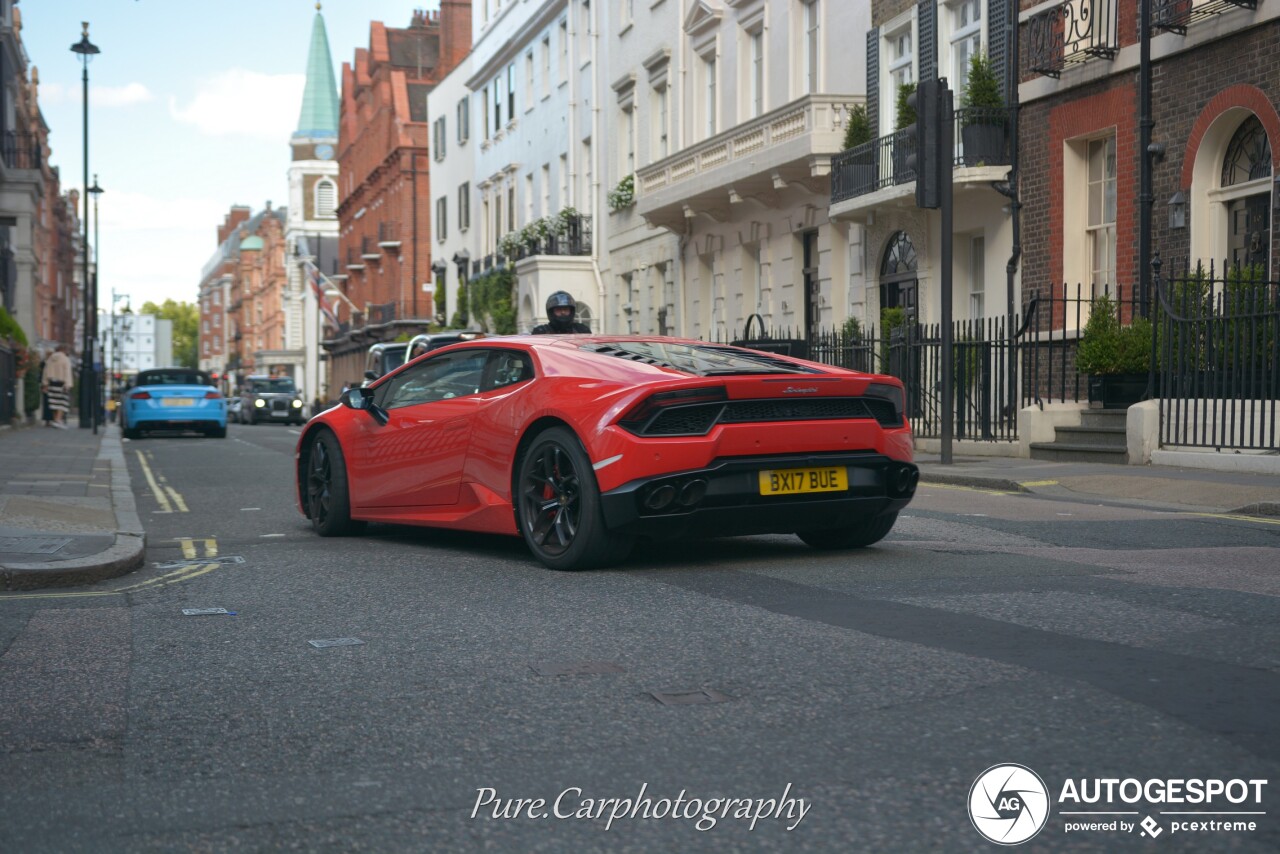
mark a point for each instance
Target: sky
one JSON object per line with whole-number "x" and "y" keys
{"x": 191, "y": 106}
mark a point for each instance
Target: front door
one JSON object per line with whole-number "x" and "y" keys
{"x": 1250, "y": 232}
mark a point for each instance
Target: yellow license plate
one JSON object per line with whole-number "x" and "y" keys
{"x": 180, "y": 401}
{"x": 795, "y": 481}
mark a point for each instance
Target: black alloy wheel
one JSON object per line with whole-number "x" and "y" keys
{"x": 558, "y": 505}
{"x": 328, "y": 499}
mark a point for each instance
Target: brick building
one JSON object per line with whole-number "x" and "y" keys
{"x": 1215, "y": 82}
{"x": 384, "y": 212}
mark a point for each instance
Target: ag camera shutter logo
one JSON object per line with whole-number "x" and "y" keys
{"x": 1008, "y": 804}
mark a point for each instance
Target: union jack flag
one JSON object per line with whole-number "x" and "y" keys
{"x": 326, "y": 310}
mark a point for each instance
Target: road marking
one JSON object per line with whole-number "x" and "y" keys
{"x": 7, "y": 597}
{"x": 163, "y": 500}
{"x": 934, "y": 485}
{"x": 189, "y": 550}
{"x": 183, "y": 574}
{"x": 1037, "y": 483}
{"x": 1235, "y": 517}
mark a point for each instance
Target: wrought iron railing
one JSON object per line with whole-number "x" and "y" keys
{"x": 369, "y": 247}
{"x": 1176, "y": 15}
{"x": 353, "y": 257}
{"x": 388, "y": 232}
{"x": 20, "y": 150}
{"x": 981, "y": 139}
{"x": 1072, "y": 32}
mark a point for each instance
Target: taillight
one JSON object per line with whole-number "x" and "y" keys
{"x": 140, "y": 395}
{"x": 893, "y": 394}
{"x": 211, "y": 395}
{"x": 646, "y": 410}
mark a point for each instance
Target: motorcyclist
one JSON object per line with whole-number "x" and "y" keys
{"x": 561, "y": 311}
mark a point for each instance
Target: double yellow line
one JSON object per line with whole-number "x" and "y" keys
{"x": 168, "y": 497}
{"x": 182, "y": 573}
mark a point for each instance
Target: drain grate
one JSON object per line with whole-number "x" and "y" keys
{"x": 32, "y": 545}
{"x": 575, "y": 668}
{"x": 690, "y": 698}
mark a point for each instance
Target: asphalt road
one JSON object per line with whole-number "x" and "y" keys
{"x": 869, "y": 689}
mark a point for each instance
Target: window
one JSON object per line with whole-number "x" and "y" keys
{"x": 442, "y": 377}
{"x": 628, "y": 165}
{"x": 217, "y": 321}
{"x": 709, "y": 87}
{"x": 437, "y": 138}
{"x": 528, "y": 198}
{"x": 511, "y": 207}
{"x": 755, "y": 73}
{"x": 511, "y": 92}
{"x": 900, "y": 70}
{"x": 217, "y": 297}
{"x": 661, "y": 97}
{"x": 497, "y": 217}
{"x": 204, "y": 327}
{"x": 1102, "y": 212}
{"x": 564, "y": 51}
{"x": 497, "y": 104}
{"x": 546, "y": 65}
{"x": 546, "y": 189}
{"x": 484, "y": 99}
{"x": 326, "y": 199}
{"x": 628, "y": 10}
{"x": 811, "y": 52}
{"x": 528, "y": 80}
{"x": 464, "y": 206}
{"x": 977, "y": 277}
{"x": 564, "y": 181}
{"x": 966, "y": 41}
{"x": 442, "y": 219}
{"x": 464, "y": 120}
{"x": 584, "y": 186}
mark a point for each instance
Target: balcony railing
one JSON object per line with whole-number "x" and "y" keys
{"x": 1073, "y": 32}
{"x": 20, "y": 150}
{"x": 389, "y": 234}
{"x": 576, "y": 240}
{"x": 353, "y": 258}
{"x": 369, "y": 248}
{"x": 388, "y": 312}
{"x": 1176, "y": 15}
{"x": 981, "y": 139}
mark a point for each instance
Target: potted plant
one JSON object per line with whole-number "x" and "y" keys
{"x": 982, "y": 115}
{"x": 862, "y": 165}
{"x": 902, "y": 147}
{"x": 623, "y": 195}
{"x": 1116, "y": 358}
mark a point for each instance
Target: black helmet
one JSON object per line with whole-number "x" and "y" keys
{"x": 561, "y": 299}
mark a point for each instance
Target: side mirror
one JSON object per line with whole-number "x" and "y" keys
{"x": 370, "y": 375}
{"x": 362, "y": 398}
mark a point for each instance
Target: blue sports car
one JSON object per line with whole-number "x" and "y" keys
{"x": 174, "y": 399}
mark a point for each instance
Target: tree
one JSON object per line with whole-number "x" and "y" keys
{"x": 186, "y": 328}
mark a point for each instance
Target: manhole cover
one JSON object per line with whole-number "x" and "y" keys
{"x": 689, "y": 698}
{"x": 328, "y": 642}
{"x": 32, "y": 545}
{"x": 575, "y": 668}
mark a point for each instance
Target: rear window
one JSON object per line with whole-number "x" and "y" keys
{"x": 282, "y": 385}
{"x": 702, "y": 360}
{"x": 173, "y": 377}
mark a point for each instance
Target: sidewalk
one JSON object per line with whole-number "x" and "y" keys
{"x": 1169, "y": 487}
{"x": 67, "y": 513}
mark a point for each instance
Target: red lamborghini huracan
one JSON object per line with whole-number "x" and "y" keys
{"x": 583, "y": 443}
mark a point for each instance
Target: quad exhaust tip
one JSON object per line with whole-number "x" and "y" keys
{"x": 676, "y": 495}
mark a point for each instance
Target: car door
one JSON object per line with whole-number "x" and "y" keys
{"x": 416, "y": 458}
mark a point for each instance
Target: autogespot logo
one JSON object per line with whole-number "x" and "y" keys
{"x": 1008, "y": 804}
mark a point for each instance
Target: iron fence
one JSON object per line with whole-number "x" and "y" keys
{"x": 8, "y": 385}
{"x": 1216, "y": 358}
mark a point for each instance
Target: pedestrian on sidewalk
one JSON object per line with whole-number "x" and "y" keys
{"x": 56, "y": 382}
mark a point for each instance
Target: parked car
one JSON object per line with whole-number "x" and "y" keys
{"x": 173, "y": 399}
{"x": 264, "y": 398}
{"x": 581, "y": 444}
{"x": 233, "y": 409}
{"x": 385, "y": 357}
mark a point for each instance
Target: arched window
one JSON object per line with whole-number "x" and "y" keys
{"x": 326, "y": 199}
{"x": 1248, "y": 154}
{"x": 898, "y": 276}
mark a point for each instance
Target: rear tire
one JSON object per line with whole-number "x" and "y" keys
{"x": 853, "y": 536}
{"x": 328, "y": 498}
{"x": 218, "y": 433}
{"x": 558, "y": 505}
{"x": 132, "y": 433}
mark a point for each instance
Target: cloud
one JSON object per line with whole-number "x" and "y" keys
{"x": 99, "y": 96}
{"x": 244, "y": 103}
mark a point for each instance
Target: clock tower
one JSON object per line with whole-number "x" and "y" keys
{"x": 311, "y": 232}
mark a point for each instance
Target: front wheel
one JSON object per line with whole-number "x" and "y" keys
{"x": 328, "y": 498}
{"x": 558, "y": 505}
{"x": 852, "y": 536}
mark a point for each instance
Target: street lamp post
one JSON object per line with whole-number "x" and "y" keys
{"x": 87, "y": 51}
{"x": 96, "y": 191}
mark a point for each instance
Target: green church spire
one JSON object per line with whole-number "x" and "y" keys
{"x": 319, "y": 116}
